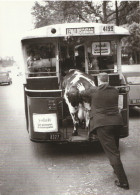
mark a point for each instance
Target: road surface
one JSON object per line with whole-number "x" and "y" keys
{"x": 28, "y": 168}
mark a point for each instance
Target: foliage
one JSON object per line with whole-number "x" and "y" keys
{"x": 8, "y": 60}
{"x": 132, "y": 42}
{"x": 129, "y": 12}
{"x": 130, "y": 15}
{"x": 52, "y": 12}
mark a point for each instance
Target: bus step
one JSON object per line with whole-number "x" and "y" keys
{"x": 79, "y": 138}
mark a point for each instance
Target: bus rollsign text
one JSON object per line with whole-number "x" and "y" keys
{"x": 80, "y": 31}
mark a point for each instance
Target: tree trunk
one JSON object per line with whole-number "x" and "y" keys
{"x": 135, "y": 59}
{"x": 117, "y": 16}
{"x": 138, "y": 58}
{"x": 104, "y": 12}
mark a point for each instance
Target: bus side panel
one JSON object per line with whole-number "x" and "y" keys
{"x": 125, "y": 116}
{"x": 25, "y": 107}
{"x": 44, "y": 116}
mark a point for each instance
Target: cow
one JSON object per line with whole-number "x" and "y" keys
{"x": 78, "y": 103}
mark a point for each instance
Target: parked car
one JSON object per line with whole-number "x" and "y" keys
{"x": 132, "y": 77}
{"x": 5, "y": 78}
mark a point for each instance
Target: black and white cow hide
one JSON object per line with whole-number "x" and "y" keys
{"x": 78, "y": 103}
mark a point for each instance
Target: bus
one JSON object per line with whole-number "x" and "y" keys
{"x": 49, "y": 53}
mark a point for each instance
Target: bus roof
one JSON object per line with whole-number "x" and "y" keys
{"x": 76, "y": 29}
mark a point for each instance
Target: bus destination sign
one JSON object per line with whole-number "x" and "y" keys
{"x": 80, "y": 31}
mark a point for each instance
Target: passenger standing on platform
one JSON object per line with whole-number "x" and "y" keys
{"x": 106, "y": 121}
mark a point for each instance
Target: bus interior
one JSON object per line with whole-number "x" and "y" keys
{"x": 50, "y": 58}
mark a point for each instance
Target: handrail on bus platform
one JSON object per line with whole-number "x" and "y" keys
{"x": 34, "y": 90}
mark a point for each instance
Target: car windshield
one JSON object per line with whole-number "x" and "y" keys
{"x": 133, "y": 80}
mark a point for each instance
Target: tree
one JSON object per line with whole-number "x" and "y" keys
{"x": 130, "y": 16}
{"x": 52, "y": 12}
{"x": 7, "y": 61}
{"x": 129, "y": 12}
{"x": 132, "y": 42}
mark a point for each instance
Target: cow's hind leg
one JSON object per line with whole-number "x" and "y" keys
{"x": 73, "y": 112}
{"x": 75, "y": 123}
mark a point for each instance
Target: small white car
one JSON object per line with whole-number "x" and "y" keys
{"x": 5, "y": 78}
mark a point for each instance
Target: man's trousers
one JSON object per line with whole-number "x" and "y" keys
{"x": 108, "y": 137}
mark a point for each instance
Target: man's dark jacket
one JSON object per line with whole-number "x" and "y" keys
{"x": 104, "y": 107}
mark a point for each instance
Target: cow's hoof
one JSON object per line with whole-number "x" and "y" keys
{"x": 75, "y": 133}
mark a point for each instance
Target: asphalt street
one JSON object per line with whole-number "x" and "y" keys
{"x": 28, "y": 168}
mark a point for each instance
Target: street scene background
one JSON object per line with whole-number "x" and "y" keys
{"x": 27, "y": 167}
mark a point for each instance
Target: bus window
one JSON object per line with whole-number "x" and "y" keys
{"x": 101, "y": 56}
{"x": 93, "y": 64}
{"x": 41, "y": 59}
{"x": 106, "y": 63}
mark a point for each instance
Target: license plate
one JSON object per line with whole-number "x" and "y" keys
{"x": 54, "y": 136}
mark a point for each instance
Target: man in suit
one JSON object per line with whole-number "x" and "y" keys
{"x": 106, "y": 121}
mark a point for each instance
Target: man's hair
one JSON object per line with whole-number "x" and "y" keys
{"x": 103, "y": 77}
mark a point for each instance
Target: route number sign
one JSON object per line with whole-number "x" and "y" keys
{"x": 107, "y": 29}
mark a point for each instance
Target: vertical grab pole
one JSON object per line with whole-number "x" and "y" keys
{"x": 86, "y": 57}
{"x": 100, "y": 61}
{"x": 57, "y": 60}
{"x": 119, "y": 57}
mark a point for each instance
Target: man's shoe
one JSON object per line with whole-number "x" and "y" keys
{"x": 122, "y": 185}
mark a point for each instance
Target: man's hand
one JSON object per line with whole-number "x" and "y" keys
{"x": 80, "y": 87}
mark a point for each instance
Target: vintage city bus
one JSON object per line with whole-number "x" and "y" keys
{"x": 49, "y": 53}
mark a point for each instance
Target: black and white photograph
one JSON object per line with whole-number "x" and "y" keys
{"x": 69, "y": 97}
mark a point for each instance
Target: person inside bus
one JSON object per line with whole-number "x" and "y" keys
{"x": 106, "y": 63}
{"x": 80, "y": 59}
{"x": 67, "y": 62}
{"x": 67, "y": 65}
{"x": 30, "y": 59}
{"x": 93, "y": 63}
{"x": 106, "y": 121}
